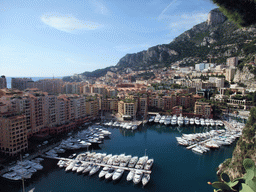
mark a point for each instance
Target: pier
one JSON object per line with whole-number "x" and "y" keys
{"x": 100, "y": 164}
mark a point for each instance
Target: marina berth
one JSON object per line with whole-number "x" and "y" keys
{"x": 142, "y": 161}
{"x": 82, "y": 167}
{"x": 167, "y": 120}
{"x": 161, "y": 121}
{"x": 207, "y": 122}
{"x": 105, "y": 159}
{"x": 212, "y": 122}
{"x": 151, "y": 119}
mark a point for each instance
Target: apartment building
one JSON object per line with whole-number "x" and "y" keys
{"x": 108, "y": 105}
{"x": 127, "y": 108}
{"x": 92, "y": 108}
{"x": 3, "y": 83}
{"x": 13, "y": 134}
{"x": 230, "y": 73}
{"x": 232, "y": 62}
{"x": 203, "y": 109}
{"x": 21, "y": 83}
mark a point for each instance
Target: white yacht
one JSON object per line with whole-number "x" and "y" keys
{"x": 149, "y": 164}
{"x": 134, "y": 127}
{"x": 167, "y": 120}
{"x": 197, "y": 121}
{"x": 88, "y": 169}
{"x": 137, "y": 177}
{"x": 145, "y": 179}
{"x": 103, "y": 172}
{"x": 161, "y": 121}
{"x": 117, "y": 174}
{"x": 186, "y": 120}
{"x": 212, "y": 122}
{"x": 192, "y": 121}
{"x": 207, "y": 122}
{"x": 133, "y": 161}
{"x": 180, "y": 120}
{"x": 151, "y": 119}
{"x": 157, "y": 118}
{"x": 130, "y": 175}
{"x": 82, "y": 167}
{"x": 94, "y": 170}
{"x": 202, "y": 122}
{"x": 174, "y": 120}
{"x": 110, "y": 173}
{"x": 142, "y": 161}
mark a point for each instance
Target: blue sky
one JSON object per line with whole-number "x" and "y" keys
{"x": 42, "y": 38}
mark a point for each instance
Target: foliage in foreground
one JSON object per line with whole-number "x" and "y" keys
{"x": 247, "y": 183}
{"x": 242, "y": 12}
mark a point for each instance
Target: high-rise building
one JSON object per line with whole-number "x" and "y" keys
{"x": 232, "y": 61}
{"x": 230, "y": 73}
{"x": 203, "y": 109}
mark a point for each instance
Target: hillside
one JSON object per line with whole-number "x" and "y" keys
{"x": 245, "y": 148}
{"x": 215, "y": 40}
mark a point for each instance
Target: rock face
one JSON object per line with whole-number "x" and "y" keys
{"x": 245, "y": 77}
{"x": 215, "y": 17}
{"x": 155, "y": 54}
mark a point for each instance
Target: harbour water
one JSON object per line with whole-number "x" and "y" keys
{"x": 175, "y": 168}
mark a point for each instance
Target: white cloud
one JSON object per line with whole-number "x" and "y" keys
{"x": 68, "y": 23}
{"x": 100, "y": 8}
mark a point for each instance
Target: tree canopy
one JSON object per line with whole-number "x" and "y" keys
{"x": 242, "y": 12}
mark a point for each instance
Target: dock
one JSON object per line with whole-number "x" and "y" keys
{"x": 100, "y": 164}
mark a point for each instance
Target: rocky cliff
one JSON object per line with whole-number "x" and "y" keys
{"x": 245, "y": 148}
{"x": 245, "y": 76}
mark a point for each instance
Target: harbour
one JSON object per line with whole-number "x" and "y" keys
{"x": 172, "y": 163}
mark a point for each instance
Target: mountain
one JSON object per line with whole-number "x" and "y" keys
{"x": 214, "y": 40}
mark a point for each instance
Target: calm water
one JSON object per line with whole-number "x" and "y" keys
{"x": 175, "y": 167}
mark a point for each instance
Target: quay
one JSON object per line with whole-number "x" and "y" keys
{"x": 100, "y": 164}
{"x": 201, "y": 142}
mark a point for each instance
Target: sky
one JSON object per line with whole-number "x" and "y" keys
{"x": 44, "y": 38}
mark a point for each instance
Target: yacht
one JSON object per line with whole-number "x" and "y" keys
{"x": 161, "y": 121}
{"x": 133, "y": 161}
{"x": 167, "y": 120}
{"x": 103, "y": 172}
{"x": 149, "y": 164}
{"x": 197, "y": 121}
{"x": 130, "y": 175}
{"x": 192, "y": 121}
{"x": 70, "y": 166}
{"x": 145, "y": 179}
{"x": 151, "y": 119}
{"x": 186, "y": 120}
{"x": 142, "y": 161}
{"x": 105, "y": 159}
{"x": 117, "y": 174}
{"x": 94, "y": 170}
{"x": 137, "y": 177}
{"x": 202, "y": 122}
{"x": 110, "y": 173}
{"x": 207, "y": 122}
{"x": 134, "y": 127}
{"x": 88, "y": 169}
{"x": 157, "y": 118}
{"x": 174, "y": 120}
{"x": 180, "y": 120}
{"x": 212, "y": 122}
{"x": 82, "y": 167}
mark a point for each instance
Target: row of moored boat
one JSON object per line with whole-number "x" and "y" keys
{"x": 180, "y": 120}
{"x": 113, "y": 166}
{"x": 125, "y": 125}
